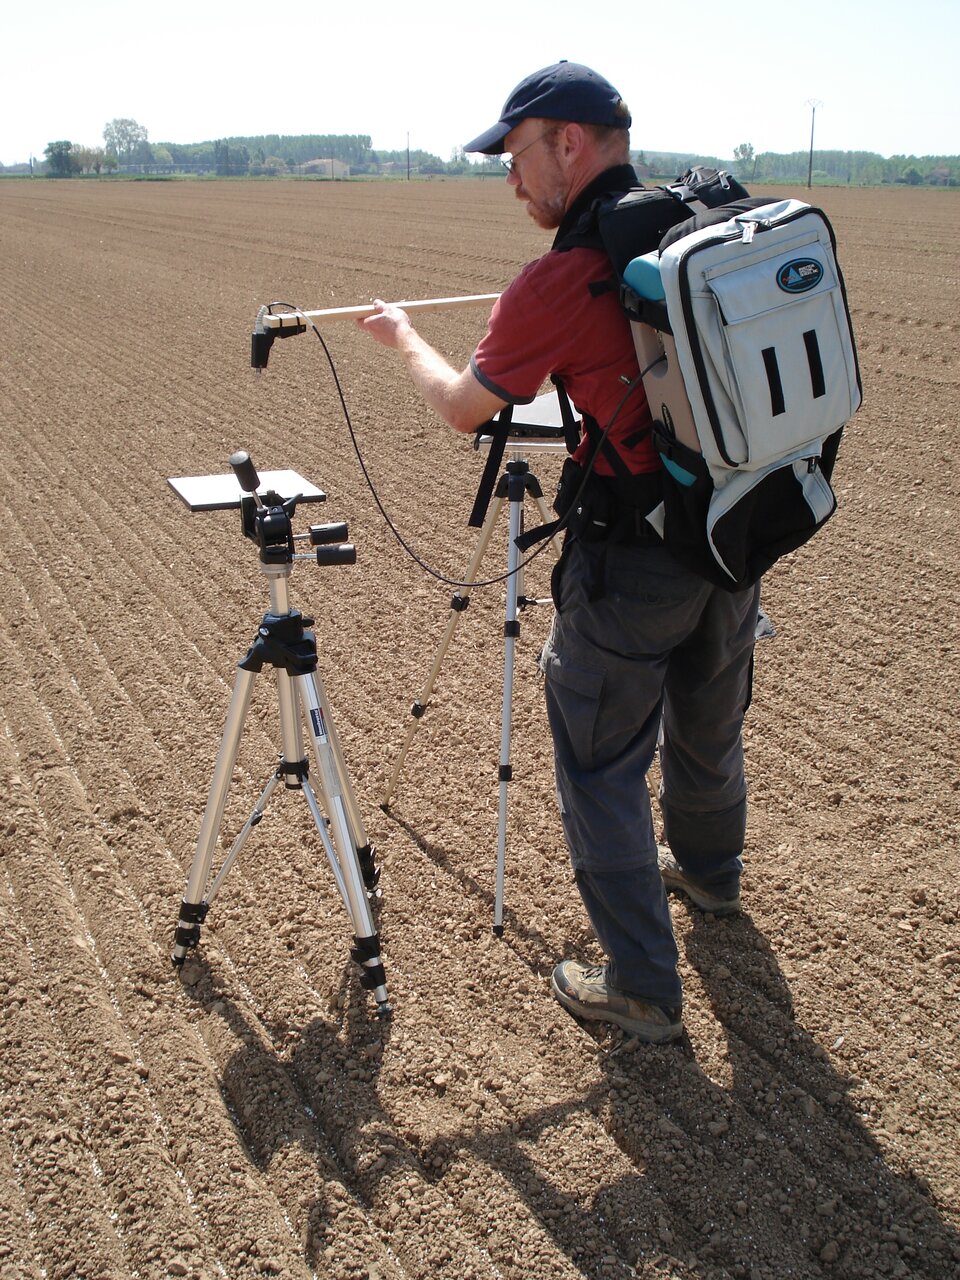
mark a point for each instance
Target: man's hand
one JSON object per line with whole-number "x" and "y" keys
{"x": 458, "y": 398}
{"x": 387, "y": 324}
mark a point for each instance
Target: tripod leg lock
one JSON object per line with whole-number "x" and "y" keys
{"x": 192, "y": 916}
{"x": 369, "y": 870}
{"x": 366, "y": 953}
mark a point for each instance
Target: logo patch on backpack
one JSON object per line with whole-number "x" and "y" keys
{"x": 799, "y": 275}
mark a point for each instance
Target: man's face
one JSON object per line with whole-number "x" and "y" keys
{"x": 538, "y": 175}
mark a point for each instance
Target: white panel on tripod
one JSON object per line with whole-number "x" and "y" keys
{"x": 223, "y": 493}
{"x": 534, "y": 428}
{"x": 542, "y": 412}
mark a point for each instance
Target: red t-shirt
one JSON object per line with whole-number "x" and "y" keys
{"x": 547, "y": 322}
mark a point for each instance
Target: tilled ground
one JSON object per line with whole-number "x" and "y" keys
{"x": 250, "y": 1115}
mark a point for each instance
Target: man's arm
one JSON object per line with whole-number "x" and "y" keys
{"x": 458, "y": 398}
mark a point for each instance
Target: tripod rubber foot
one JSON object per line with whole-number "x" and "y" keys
{"x": 498, "y": 930}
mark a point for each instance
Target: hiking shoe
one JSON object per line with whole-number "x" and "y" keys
{"x": 674, "y": 877}
{"x": 583, "y": 989}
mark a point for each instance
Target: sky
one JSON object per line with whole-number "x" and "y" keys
{"x": 432, "y": 74}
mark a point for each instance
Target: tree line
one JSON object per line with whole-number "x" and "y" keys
{"x": 126, "y": 148}
{"x": 848, "y": 168}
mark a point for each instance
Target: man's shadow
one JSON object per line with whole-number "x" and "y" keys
{"x": 762, "y": 1163}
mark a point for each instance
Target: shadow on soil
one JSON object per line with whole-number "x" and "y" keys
{"x": 769, "y": 1176}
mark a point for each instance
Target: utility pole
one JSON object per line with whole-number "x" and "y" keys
{"x": 812, "y": 103}
{"x": 408, "y": 157}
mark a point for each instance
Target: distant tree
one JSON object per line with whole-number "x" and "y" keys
{"x": 60, "y": 159}
{"x": 142, "y": 153}
{"x": 124, "y": 137}
{"x": 230, "y": 157}
{"x": 912, "y": 176}
{"x": 89, "y": 159}
{"x": 743, "y": 156}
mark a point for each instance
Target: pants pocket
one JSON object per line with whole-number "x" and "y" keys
{"x": 573, "y": 703}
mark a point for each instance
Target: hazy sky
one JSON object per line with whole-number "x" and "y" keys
{"x": 437, "y": 71}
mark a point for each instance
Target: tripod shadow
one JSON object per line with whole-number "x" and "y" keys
{"x": 538, "y": 952}
{"x": 755, "y": 1164}
{"x": 450, "y": 862}
{"x": 309, "y": 1089}
{"x": 358, "y": 1158}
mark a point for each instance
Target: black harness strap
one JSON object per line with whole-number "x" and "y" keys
{"x": 571, "y": 428}
{"x": 498, "y": 429}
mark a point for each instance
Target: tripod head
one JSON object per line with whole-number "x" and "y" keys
{"x": 267, "y": 519}
{"x": 267, "y": 505}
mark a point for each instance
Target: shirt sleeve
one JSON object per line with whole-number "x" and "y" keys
{"x": 519, "y": 350}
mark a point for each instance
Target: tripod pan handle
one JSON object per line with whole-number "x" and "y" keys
{"x": 341, "y": 553}
{"x": 245, "y": 471}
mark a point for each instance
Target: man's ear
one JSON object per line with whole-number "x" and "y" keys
{"x": 571, "y": 140}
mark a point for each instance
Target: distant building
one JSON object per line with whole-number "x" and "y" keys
{"x": 327, "y": 168}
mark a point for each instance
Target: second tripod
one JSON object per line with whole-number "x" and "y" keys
{"x": 515, "y": 484}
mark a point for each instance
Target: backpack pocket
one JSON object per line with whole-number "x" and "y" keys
{"x": 731, "y": 535}
{"x": 687, "y": 491}
{"x": 759, "y": 516}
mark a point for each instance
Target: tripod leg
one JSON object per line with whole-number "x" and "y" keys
{"x": 511, "y": 629}
{"x": 459, "y": 602}
{"x": 358, "y": 833}
{"x": 241, "y": 839}
{"x": 290, "y": 722}
{"x": 193, "y": 908}
{"x": 333, "y": 784}
{"x": 546, "y": 516}
{"x": 296, "y": 772}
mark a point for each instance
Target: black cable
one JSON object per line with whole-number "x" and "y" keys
{"x": 434, "y": 573}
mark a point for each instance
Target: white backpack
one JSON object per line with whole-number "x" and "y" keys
{"x": 744, "y": 338}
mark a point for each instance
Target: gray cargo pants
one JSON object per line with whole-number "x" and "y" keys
{"x": 641, "y": 647}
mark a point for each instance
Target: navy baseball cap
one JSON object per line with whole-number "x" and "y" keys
{"x": 565, "y": 91}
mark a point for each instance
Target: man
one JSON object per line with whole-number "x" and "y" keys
{"x": 637, "y": 641}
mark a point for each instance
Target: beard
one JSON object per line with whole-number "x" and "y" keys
{"x": 547, "y": 212}
{"x": 547, "y": 209}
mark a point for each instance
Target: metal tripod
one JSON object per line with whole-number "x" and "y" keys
{"x": 516, "y": 482}
{"x": 283, "y": 643}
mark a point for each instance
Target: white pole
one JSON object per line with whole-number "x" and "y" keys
{"x": 290, "y": 318}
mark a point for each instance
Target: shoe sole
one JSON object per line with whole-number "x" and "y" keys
{"x": 648, "y": 1032}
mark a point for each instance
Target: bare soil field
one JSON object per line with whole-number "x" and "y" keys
{"x": 249, "y": 1115}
